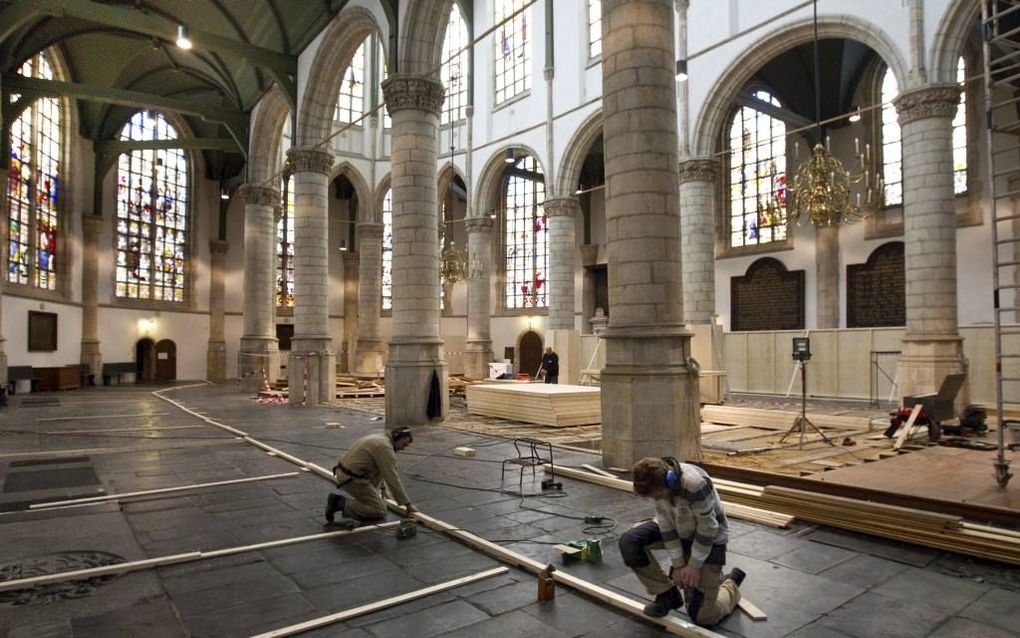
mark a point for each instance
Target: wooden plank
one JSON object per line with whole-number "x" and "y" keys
{"x": 101, "y": 416}
{"x": 92, "y": 451}
{"x": 380, "y": 604}
{"x": 902, "y": 438}
{"x": 600, "y": 472}
{"x": 751, "y": 610}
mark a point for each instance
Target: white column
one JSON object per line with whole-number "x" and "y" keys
{"x": 479, "y": 339}
{"x": 259, "y": 356}
{"x": 370, "y": 354}
{"x": 827, "y": 275}
{"x": 92, "y": 226}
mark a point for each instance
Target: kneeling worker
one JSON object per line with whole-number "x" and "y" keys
{"x": 691, "y": 526}
{"x": 370, "y": 462}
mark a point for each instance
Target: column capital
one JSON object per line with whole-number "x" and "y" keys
{"x": 218, "y": 246}
{"x": 482, "y": 224}
{"x": 369, "y": 229}
{"x": 259, "y": 195}
{"x": 561, "y": 207}
{"x": 413, "y": 92}
{"x": 310, "y": 160}
{"x": 938, "y": 100}
{"x": 700, "y": 169}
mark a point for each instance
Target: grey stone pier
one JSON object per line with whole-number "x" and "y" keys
{"x": 479, "y": 297}
{"x": 350, "y": 262}
{"x": 258, "y": 359}
{"x": 562, "y": 213}
{"x": 827, "y": 274}
{"x": 311, "y": 370}
{"x": 92, "y": 228}
{"x": 370, "y": 354}
{"x": 216, "y": 358}
{"x": 416, "y": 350}
{"x": 932, "y": 347}
{"x": 649, "y": 397}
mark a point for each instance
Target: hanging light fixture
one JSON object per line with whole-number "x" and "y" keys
{"x": 821, "y": 191}
{"x": 453, "y": 262}
{"x": 508, "y": 156}
{"x": 183, "y": 41}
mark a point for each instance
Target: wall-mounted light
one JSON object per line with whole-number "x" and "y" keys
{"x": 183, "y": 41}
{"x": 508, "y": 156}
{"x": 146, "y": 326}
{"x": 224, "y": 193}
{"x": 492, "y": 214}
{"x": 343, "y": 245}
{"x": 855, "y": 116}
{"x": 681, "y": 70}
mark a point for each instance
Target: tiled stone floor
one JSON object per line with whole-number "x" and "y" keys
{"x": 812, "y": 582}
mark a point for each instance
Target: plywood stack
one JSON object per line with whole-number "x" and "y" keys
{"x": 545, "y": 404}
{"x": 779, "y": 419}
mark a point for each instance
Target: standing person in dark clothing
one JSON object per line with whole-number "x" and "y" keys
{"x": 551, "y": 366}
{"x": 370, "y": 462}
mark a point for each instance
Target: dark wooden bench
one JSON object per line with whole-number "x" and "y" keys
{"x": 18, "y": 373}
{"x": 114, "y": 370}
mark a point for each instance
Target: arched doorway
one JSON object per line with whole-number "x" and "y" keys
{"x": 145, "y": 359}
{"x": 529, "y": 351}
{"x": 166, "y": 361}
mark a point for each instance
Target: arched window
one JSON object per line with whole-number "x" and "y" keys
{"x": 285, "y": 230}
{"x": 757, "y": 176}
{"x": 456, "y": 67}
{"x": 892, "y": 155}
{"x": 350, "y": 104}
{"x": 383, "y": 74}
{"x": 152, "y": 213}
{"x": 960, "y": 133}
{"x": 387, "y": 251}
{"x": 594, "y": 28}
{"x": 513, "y": 50}
{"x": 525, "y": 236}
{"x": 33, "y": 191}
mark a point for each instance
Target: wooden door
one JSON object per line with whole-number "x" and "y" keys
{"x": 530, "y": 353}
{"x": 145, "y": 360}
{"x": 166, "y": 361}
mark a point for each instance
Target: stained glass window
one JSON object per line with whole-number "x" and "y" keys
{"x": 892, "y": 149}
{"x": 152, "y": 213}
{"x": 513, "y": 50}
{"x": 456, "y": 66}
{"x": 960, "y": 134}
{"x": 526, "y": 236}
{"x": 757, "y": 176}
{"x": 33, "y": 189}
{"x": 594, "y": 28}
{"x": 285, "y": 230}
{"x": 387, "y": 251}
{"x": 350, "y": 104}
{"x": 383, "y": 74}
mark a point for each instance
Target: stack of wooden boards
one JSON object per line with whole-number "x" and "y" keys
{"x": 545, "y": 404}
{"x": 930, "y": 529}
{"x": 780, "y": 419}
{"x": 348, "y": 387}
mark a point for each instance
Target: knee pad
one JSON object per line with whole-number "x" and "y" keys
{"x": 633, "y": 550}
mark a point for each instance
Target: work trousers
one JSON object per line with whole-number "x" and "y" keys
{"x": 364, "y": 501}
{"x": 710, "y": 602}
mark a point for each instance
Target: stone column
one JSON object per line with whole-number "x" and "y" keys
{"x": 92, "y": 227}
{"x": 312, "y": 366}
{"x": 827, "y": 274}
{"x": 649, "y": 396}
{"x": 416, "y": 349}
{"x": 258, "y": 359}
{"x": 216, "y": 358}
{"x": 350, "y": 261}
{"x": 563, "y": 337}
{"x": 370, "y": 355}
{"x": 932, "y": 347}
{"x": 479, "y": 337}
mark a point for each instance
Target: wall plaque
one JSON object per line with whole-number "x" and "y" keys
{"x": 42, "y": 331}
{"x": 768, "y": 297}
{"x": 876, "y": 290}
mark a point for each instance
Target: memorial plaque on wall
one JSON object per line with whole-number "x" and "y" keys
{"x": 876, "y": 290}
{"x": 42, "y": 331}
{"x": 768, "y": 297}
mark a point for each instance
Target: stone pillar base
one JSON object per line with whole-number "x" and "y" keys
{"x": 369, "y": 358}
{"x": 216, "y": 362}
{"x": 477, "y": 356}
{"x": 925, "y": 363}
{"x": 567, "y": 344}
{"x": 649, "y": 398}
{"x": 258, "y": 362}
{"x": 311, "y": 372}
{"x": 409, "y": 381}
{"x": 91, "y": 357}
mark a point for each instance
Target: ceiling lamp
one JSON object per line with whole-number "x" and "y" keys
{"x": 508, "y": 156}
{"x": 820, "y": 193}
{"x": 183, "y": 41}
{"x": 681, "y": 70}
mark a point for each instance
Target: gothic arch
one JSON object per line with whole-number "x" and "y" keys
{"x": 378, "y": 197}
{"x": 340, "y": 41}
{"x": 576, "y": 152}
{"x": 446, "y": 175}
{"x": 955, "y": 28}
{"x": 421, "y": 37}
{"x": 366, "y": 212}
{"x": 266, "y": 137}
{"x": 712, "y": 116}
{"x": 488, "y": 187}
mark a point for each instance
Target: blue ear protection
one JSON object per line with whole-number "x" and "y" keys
{"x": 671, "y": 479}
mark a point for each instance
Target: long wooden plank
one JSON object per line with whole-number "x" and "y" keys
{"x": 393, "y": 601}
{"x": 905, "y": 432}
{"x": 751, "y": 610}
{"x": 92, "y": 451}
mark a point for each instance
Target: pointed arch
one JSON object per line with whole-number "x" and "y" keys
{"x": 266, "y": 136}
{"x": 577, "y": 150}
{"x": 421, "y": 37}
{"x": 366, "y": 209}
{"x": 447, "y": 173}
{"x": 958, "y": 24}
{"x": 488, "y": 186}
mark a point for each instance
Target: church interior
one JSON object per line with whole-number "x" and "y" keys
{"x": 777, "y": 244}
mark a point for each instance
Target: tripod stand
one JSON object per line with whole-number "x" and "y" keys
{"x": 801, "y": 423}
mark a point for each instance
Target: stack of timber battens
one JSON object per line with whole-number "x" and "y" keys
{"x": 558, "y": 409}
{"x": 779, "y": 419}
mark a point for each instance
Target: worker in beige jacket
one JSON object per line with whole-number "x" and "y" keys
{"x": 370, "y": 462}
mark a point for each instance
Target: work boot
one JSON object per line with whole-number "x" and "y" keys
{"x": 664, "y": 602}
{"x": 334, "y": 504}
{"x": 737, "y": 575}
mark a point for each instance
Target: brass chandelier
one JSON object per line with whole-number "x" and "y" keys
{"x": 821, "y": 191}
{"x": 452, "y": 260}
